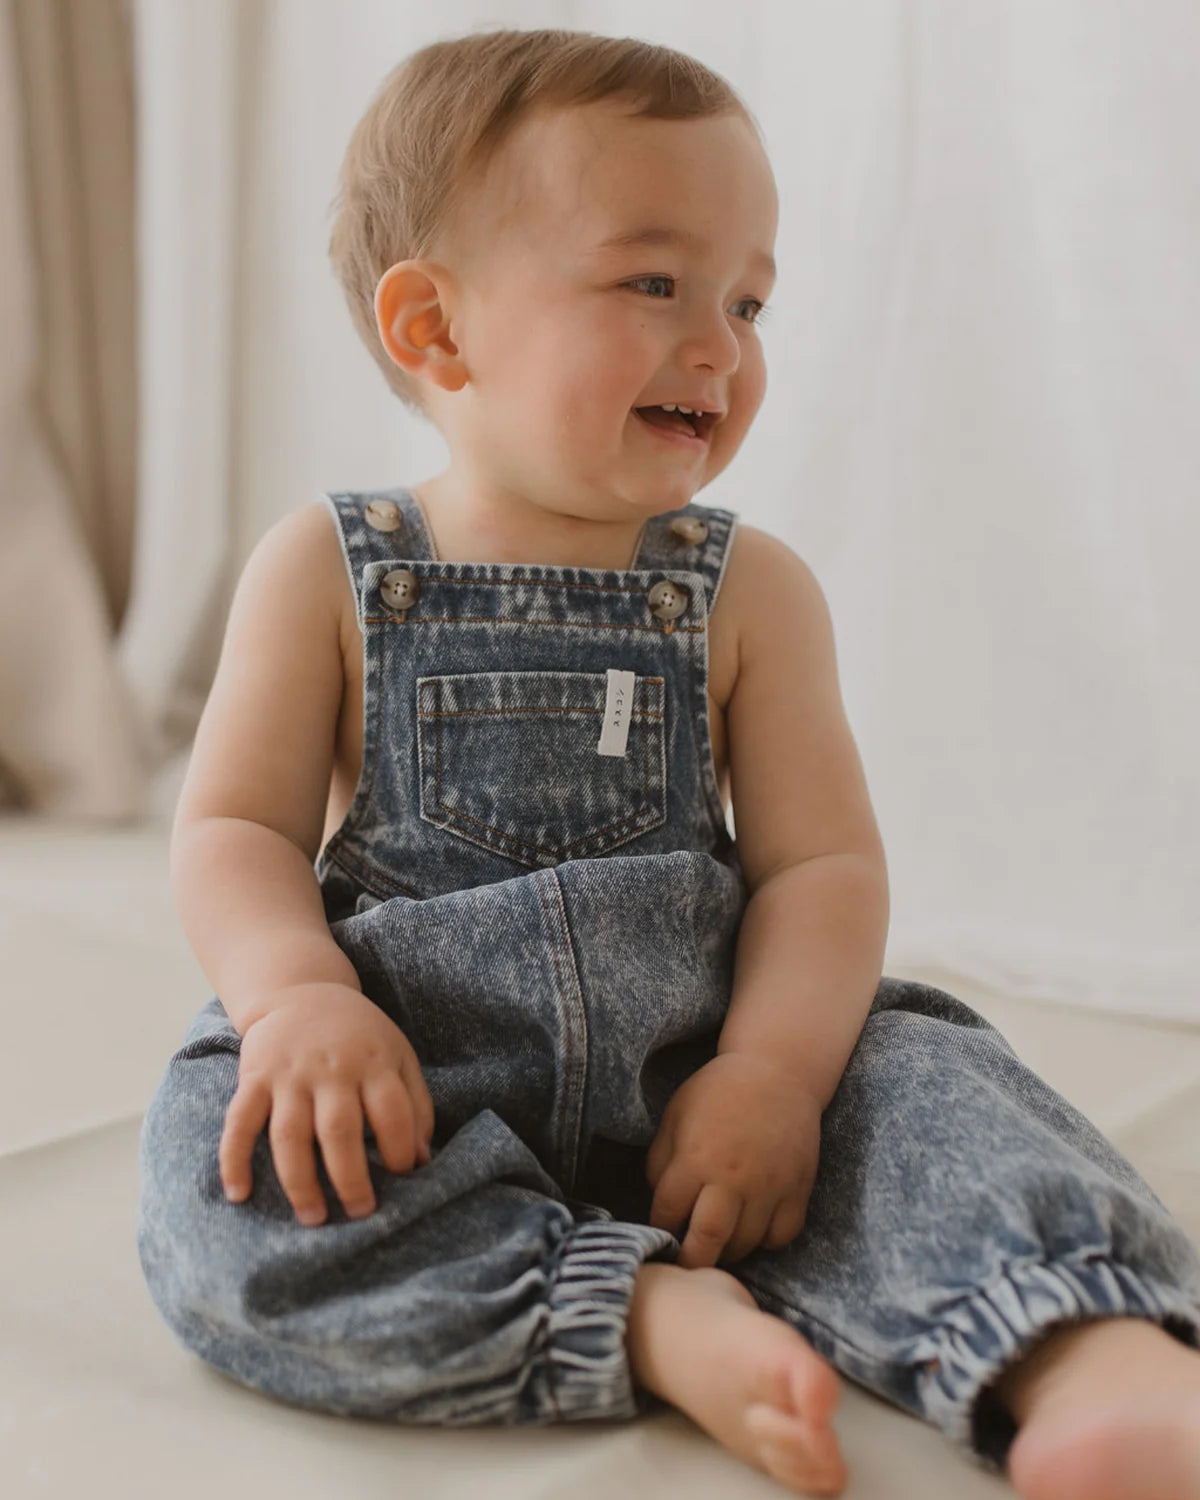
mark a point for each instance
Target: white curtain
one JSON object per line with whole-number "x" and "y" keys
{"x": 192, "y": 58}
{"x": 981, "y": 428}
{"x": 69, "y": 742}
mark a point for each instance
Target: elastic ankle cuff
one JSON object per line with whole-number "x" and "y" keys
{"x": 987, "y": 1332}
{"x": 586, "y": 1363}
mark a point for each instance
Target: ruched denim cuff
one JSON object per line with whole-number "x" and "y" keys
{"x": 585, "y": 1360}
{"x": 990, "y": 1330}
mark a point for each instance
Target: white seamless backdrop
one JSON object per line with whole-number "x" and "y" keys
{"x": 981, "y": 428}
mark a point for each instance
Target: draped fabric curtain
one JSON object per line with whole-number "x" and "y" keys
{"x": 69, "y": 741}
{"x": 980, "y": 428}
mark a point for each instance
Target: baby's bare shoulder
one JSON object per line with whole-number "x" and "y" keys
{"x": 317, "y": 530}
{"x": 264, "y": 747}
{"x": 765, "y": 585}
{"x": 752, "y": 551}
{"x": 797, "y": 780}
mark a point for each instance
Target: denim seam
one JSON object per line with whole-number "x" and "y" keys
{"x": 702, "y": 730}
{"x": 630, "y": 828}
{"x": 568, "y": 1124}
{"x": 475, "y": 713}
{"x": 532, "y": 620}
{"x": 729, "y": 523}
{"x": 536, "y": 582}
{"x": 372, "y": 738}
{"x": 366, "y": 873}
{"x": 344, "y": 545}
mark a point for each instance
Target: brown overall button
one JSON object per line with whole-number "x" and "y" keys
{"x": 399, "y": 589}
{"x": 667, "y": 600}
{"x": 383, "y": 515}
{"x": 690, "y": 529}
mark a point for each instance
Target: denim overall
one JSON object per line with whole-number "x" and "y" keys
{"x": 536, "y": 882}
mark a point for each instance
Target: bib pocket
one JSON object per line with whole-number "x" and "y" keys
{"x": 508, "y": 760}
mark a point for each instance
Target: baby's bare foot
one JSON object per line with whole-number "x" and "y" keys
{"x": 1107, "y": 1410}
{"x": 697, "y": 1339}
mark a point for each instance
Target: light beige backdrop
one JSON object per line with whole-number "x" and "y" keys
{"x": 68, "y": 403}
{"x": 980, "y": 430}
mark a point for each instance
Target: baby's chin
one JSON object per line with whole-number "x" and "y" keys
{"x": 636, "y": 505}
{"x": 649, "y": 492}
{"x": 614, "y": 498}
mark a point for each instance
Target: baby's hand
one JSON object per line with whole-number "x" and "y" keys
{"x": 315, "y": 1064}
{"x": 737, "y": 1149}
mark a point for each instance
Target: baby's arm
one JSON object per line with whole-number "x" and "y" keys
{"x": 250, "y": 815}
{"x": 316, "y": 1052}
{"x": 811, "y": 944}
{"x": 736, "y": 1153}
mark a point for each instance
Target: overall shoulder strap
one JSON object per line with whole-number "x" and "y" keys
{"x": 377, "y": 526}
{"x": 697, "y": 537}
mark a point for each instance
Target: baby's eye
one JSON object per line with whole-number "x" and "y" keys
{"x": 643, "y": 280}
{"x": 761, "y": 315}
{"x": 758, "y": 317}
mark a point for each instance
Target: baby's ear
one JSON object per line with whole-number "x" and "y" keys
{"x": 413, "y": 325}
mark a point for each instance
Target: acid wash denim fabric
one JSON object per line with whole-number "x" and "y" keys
{"x": 553, "y": 929}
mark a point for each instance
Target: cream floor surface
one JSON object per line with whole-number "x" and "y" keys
{"x": 96, "y": 1397}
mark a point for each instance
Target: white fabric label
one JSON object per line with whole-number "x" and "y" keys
{"x": 618, "y": 709}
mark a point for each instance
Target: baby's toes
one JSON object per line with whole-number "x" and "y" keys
{"x": 803, "y": 1455}
{"x": 813, "y": 1388}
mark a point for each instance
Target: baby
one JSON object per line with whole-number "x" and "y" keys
{"x": 453, "y": 852}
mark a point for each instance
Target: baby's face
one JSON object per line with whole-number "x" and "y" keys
{"x": 563, "y": 335}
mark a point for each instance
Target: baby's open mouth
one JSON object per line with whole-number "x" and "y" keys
{"x": 698, "y": 425}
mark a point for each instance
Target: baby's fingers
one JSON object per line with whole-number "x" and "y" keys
{"x": 417, "y": 1090}
{"x": 673, "y": 1199}
{"x": 788, "y": 1220}
{"x": 393, "y": 1116}
{"x": 339, "y": 1128}
{"x": 244, "y": 1119}
{"x": 291, "y": 1135}
{"x": 751, "y": 1230}
{"x": 713, "y": 1220}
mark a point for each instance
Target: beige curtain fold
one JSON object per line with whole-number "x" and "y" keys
{"x": 69, "y": 744}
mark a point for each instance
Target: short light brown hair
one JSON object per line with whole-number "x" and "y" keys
{"x": 439, "y": 118}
